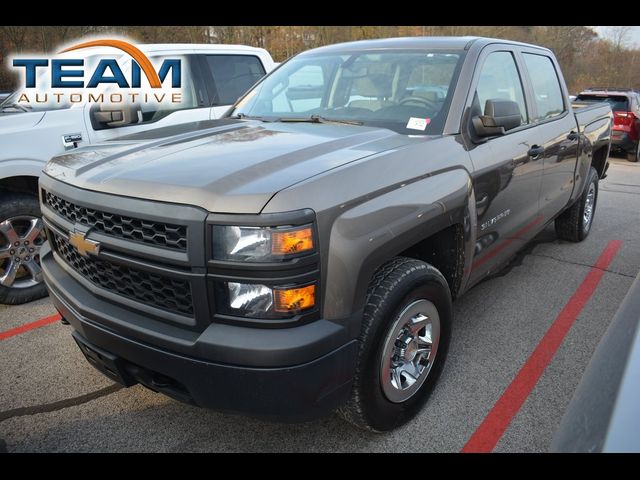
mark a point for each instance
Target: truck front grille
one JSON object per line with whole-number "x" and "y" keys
{"x": 155, "y": 290}
{"x": 135, "y": 229}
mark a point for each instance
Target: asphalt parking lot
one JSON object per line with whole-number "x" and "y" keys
{"x": 52, "y": 400}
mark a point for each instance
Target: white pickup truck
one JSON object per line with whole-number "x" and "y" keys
{"x": 216, "y": 75}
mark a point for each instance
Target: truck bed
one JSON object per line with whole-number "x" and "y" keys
{"x": 588, "y": 113}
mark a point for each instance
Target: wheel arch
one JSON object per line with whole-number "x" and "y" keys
{"x": 404, "y": 221}
{"x": 599, "y": 159}
{"x": 20, "y": 176}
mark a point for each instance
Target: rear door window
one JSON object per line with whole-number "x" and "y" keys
{"x": 233, "y": 75}
{"x": 546, "y": 85}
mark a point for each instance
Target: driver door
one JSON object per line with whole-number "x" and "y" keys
{"x": 507, "y": 177}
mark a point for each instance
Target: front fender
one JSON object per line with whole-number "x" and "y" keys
{"x": 372, "y": 232}
{"x": 371, "y": 209}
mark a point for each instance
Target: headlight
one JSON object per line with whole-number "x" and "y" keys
{"x": 254, "y": 300}
{"x": 261, "y": 244}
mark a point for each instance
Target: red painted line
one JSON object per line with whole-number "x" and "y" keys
{"x": 29, "y": 326}
{"x": 487, "y": 435}
{"x": 508, "y": 241}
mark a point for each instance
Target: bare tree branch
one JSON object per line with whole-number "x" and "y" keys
{"x": 586, "y": 59}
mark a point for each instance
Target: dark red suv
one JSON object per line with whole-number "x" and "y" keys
{"x": 625, "y": 104}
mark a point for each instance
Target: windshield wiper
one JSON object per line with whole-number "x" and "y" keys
{"x": 318, "y": 119}
{"x": 243, "y": 116}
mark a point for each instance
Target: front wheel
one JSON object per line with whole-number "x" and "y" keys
{"x": 21, "y": 236}
{"x": 403, "y": 344}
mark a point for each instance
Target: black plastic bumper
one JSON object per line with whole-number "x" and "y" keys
{"x": 290, "y": 393}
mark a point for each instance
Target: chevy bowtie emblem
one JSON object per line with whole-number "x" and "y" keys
{"x": 83, "y": 244}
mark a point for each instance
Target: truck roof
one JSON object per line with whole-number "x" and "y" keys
{"x": 154, "y": 47}
{"x": 445, "y": 43}
{"x": 175, "y": 48}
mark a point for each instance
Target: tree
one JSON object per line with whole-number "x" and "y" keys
{"x": 585, "y": 58}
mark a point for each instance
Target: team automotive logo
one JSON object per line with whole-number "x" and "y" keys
{"x": 127, "y": 75}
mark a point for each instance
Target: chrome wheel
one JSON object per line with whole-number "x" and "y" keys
{"x": 589, "y": 205}
{"x": 21, "y": 238}
{"x": 410, "y": 350}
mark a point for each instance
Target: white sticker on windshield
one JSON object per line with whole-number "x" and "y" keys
{"x": 418, "y": 123}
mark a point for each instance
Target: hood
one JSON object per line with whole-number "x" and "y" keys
{"x": 231, "y": 166}
{"x": 19, "y": 121}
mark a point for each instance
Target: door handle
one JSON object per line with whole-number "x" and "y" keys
{"x": 573, "y": 136}
{"x": 535, "y": 152}
{"x": 482, "y": 204}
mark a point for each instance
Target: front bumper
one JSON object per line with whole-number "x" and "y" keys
{"x": 295, "y": 388}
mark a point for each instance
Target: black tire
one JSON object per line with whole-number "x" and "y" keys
{"x": 634, "y": 156}
{"x": 13, "y": 205}
{"x": 570, "y": 225}
{"x": 395, "y": 285}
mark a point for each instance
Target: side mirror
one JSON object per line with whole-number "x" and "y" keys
{"x": 104, "y": 115}
{"x": 499, "y": 117}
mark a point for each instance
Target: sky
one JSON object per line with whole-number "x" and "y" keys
{"x": 634, "y": 35}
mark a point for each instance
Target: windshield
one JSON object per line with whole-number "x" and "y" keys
{"x": 406, "y": 91}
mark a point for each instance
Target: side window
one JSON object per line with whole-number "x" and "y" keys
{"x": 304, "y": 92}
{"x": 233, "y": 75}
{"x": 546, "y": 85}
{"x": 499, "y": 79}
{"x": 153, "y": 112}
{"x": 104, "y": 116}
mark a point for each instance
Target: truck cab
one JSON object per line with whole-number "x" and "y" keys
{"x": 215, "y": 76}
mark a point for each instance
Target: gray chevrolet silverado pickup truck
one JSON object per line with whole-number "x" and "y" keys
{"x": 302, "y": 254}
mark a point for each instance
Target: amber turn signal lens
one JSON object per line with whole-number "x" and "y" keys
{"x": 295, "y": 299}
{"x": 293, "y": 241}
